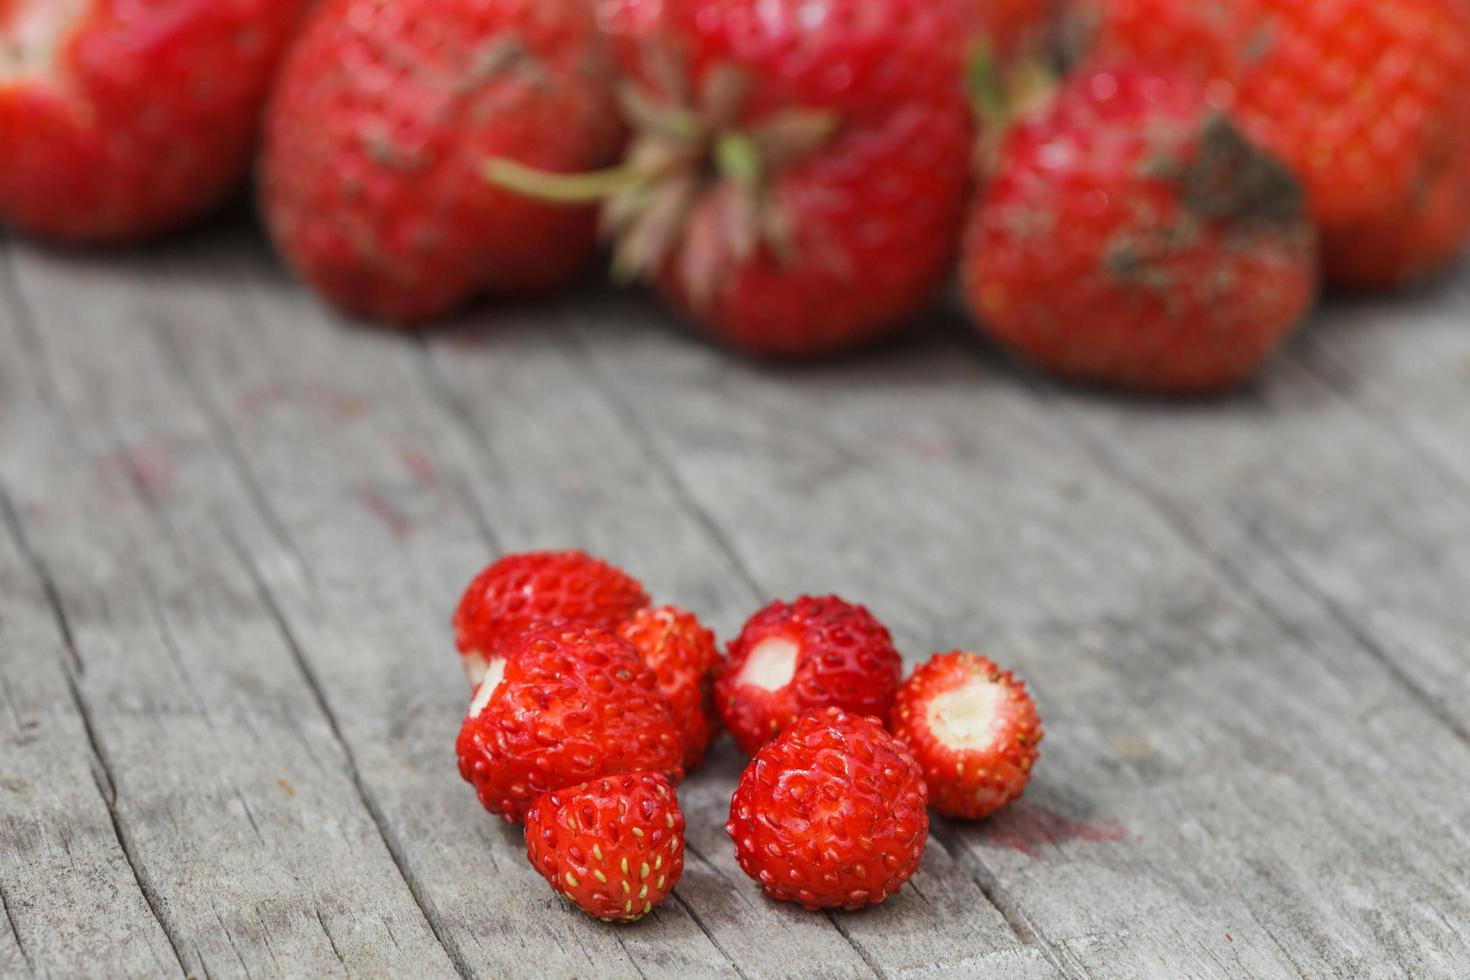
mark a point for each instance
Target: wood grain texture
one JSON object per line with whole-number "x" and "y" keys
{"x": 235, "y": 528}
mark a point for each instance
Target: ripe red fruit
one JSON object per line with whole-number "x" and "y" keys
{"x": 831, "y": 814}
{"x": 613, "y": 846}
{"x": 535, "y": 586}
{"x": 973, "y": 730}
{"x": 791, "y": 658}
{"x": 683, "y": 656}
{"x": 1130, "y": 235}
{"x": 566, "y": 705}
{"x": 122, "y": 120}
{"x": 1013, "y": 27}
{"x": 378, "y": 131}
{"x": 798, "y": 179}
{"x": 1365, "y": 99}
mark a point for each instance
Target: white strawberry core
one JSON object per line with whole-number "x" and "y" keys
{"x": 771, "y": 664}
{"x": 494, "y": 673}
{"x": 31, "y": 35}
{"x": 475, "y": 663}
{"x": 968, "y": 717}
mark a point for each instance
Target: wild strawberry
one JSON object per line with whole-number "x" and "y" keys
{"x": 830, "y": 814}
{"x": 567, "y": 704}
{"x": 1013, "y": 27}
{"x": 1365, "y": 99}
{"x": 613, "y": 846}
{"x": 1130, "y": 235}
{"x": 683, "y": 656}
{"x": 973, "y": 730}
{"x": 120, "y": 120}
{"x": 377, "y": 133}
{"x": 794, "y": 657}
{"x": 533, "y": 586}
{"x": 798, "y": 179}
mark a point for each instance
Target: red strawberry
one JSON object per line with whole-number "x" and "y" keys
{"x": 1013, "y": 27}
{"x": 613, "y": 846}
{"x": 1365, "y": 99}
{"x": 377, "y": 134}
{"x": 798, "y": 181}
{"x": 831, "y": 814}
{"x": 793, "y": 657}
{"x": 1130, "y": 235}
{"x": 683, "y": 656}
{"x": 119, "y": 120}
{"x": 973, "y": 730}
{"x": 568, "y": 704}
{"x": 533, "y": 586}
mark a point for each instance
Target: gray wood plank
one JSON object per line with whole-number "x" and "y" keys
{"x": 228, "y": 784}
{"x": 1253, "y": 767}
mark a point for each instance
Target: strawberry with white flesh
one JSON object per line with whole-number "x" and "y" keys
{"x": 973, "y": 730}
{"x": 792, "y": 658}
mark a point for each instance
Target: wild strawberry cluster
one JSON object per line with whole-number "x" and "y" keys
{"x": 590, "y": 706}
{"x": 794, "y": 179}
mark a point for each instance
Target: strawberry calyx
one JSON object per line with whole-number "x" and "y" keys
{"x": 1002, "y": 93}
{"x": 684, "y": 152}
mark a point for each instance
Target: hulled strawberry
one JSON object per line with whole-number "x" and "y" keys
{"x": 973, "y": 730}
{"x": 534, "y": 586}
{"x": 831, "y": 814}
{"x": 613, "y": 846}
{"x": 375, "y": 138}
{"x": 1130, "y": 235}
{"x": 791, "y": 658}
{"x": 1363, "y": 98}
{"x": 799, "y": 172}
{"x": 120, "y": 120}
{"x": 567, "y": 704}
{"x": 683, "y": 656}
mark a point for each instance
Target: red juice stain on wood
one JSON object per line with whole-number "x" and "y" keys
{"x": 1028, "y": 828}
{"x": 147, "y": 467}
{"x": 419, "y": 467}
{"x": 383, "y": 509}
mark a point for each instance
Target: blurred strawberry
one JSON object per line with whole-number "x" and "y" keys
{"x": 1130, "y": 235}
{"x": 376, "y": 136}
{"x": 799, "y": 174}
{"x": 120, "y": 120}
{"x": 1365, "y": 99}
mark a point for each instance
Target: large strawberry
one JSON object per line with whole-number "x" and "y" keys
{"x": 376, "y": 136}
{"x": 800, "y": 170}
{"x": 1130, "y": 235}
{"x": 1365, "y": 99}
{"x": 119, "y": 120}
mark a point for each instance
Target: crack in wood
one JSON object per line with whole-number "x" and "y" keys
{"x": 25, "y": 953}
{"x": 52, "y": 594}
{"x": 283, "y": 627}
{"x": 322, "y": 921}
{"x": 704, "y": 928}
{"x": 834, "y": 917}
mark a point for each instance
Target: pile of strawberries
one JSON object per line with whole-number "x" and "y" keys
{"x": 796, "y": 179}
{"x": 590, "y": 706}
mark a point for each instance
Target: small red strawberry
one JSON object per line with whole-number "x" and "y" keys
{"x": 376, "y": 136}
{"x": 830, "y": 814}
{"x": 683, "y": 656}
{"x": 567, "y": 704}
{"x": 1130, "y": 235}
{"x": 973, "y": 730}
{"x": 1364, "y": 99}
{"x": 533, "y": 586}
{"x": 613, "y": 846}
{"x": 798, "y": 179}
{"x": 120, "y": 120}
{"x": 794, "y": 657}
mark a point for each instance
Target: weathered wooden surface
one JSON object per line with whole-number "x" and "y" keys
{"x": 232, "y": 529}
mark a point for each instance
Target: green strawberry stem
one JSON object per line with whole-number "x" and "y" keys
{"x": 556, "y": 188}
